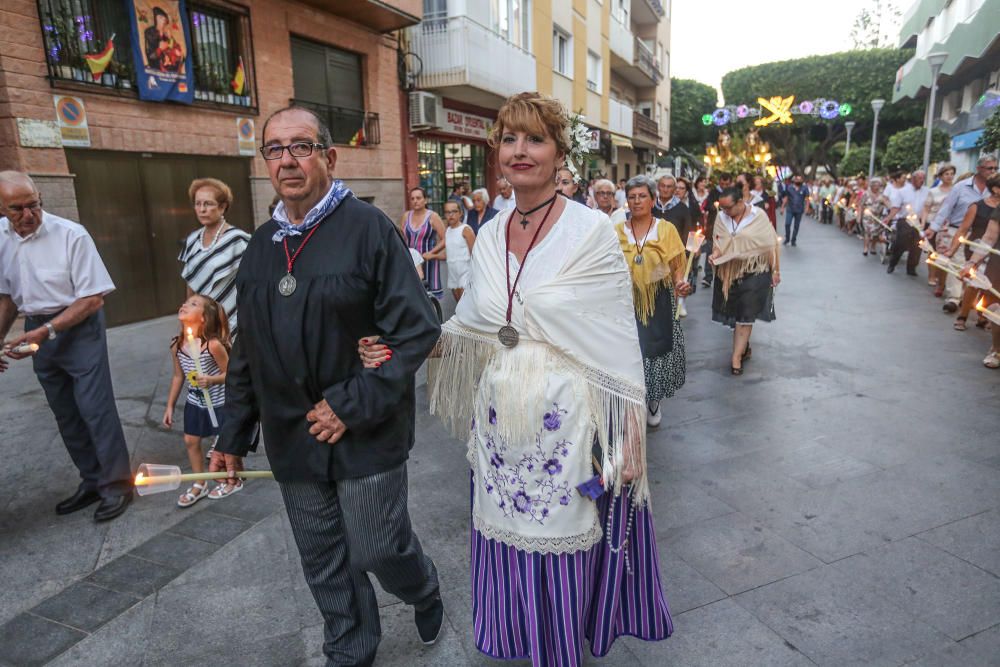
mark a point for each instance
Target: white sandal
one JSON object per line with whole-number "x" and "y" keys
{"x": 992, "y": 360}
{"x": 224, "y": 489}
{"x": 188, "y": 498}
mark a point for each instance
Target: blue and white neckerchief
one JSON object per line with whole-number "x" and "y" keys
{"x": 674, "y": 201}
{"x": 338, "y": 192}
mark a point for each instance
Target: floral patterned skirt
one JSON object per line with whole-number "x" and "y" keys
{"x": 666, "y": 374}
{"x": 543, "y": 606}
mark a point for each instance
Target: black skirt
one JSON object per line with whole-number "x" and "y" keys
{"x": 751, "y": 298}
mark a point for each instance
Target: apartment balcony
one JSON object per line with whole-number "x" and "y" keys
{"x": 642, "y": 70}
{"x": 647, "y": 130}
{"x": 379, "y": 15}
{"x": 647, "y": 11}
{"x": 469, "y": 62}
{"x": 620, "y": 118}
{"x": 621, "y": 41}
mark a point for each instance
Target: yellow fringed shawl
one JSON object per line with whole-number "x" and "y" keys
{"x": 661, "y": 258}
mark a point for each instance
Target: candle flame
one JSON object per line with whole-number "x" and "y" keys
{"x": 981, "y": 304}
{"x": 140, "y": 479}
{"x": 961, "y": 239}
{"x": 972, "y": 272}
{"x": 189, "y": 333}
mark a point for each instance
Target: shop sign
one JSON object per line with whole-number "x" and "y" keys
{"x": 71, "y": 117}
{"x": 966, "y": 141}
{"x": 34, "y": 133}
{"x": 466, "y": 124}
{"x": 245, "y": 136}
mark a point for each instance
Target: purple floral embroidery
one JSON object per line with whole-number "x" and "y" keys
{"x": 521, "y": 501}
{"x": 473, "y": 426}
{"x": 553, "y": 420}
{"x": 529, "y": 487}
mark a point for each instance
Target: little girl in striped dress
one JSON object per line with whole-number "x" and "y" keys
{"x": 204, "y": 328}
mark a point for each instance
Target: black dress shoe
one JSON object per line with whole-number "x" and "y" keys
{"x": 890, "y": 269}
{"x": 911, "y": 273}
{"x": 78, "y": 501}
{"x": 112, "y": 507}
{"x": 429, "y": 622}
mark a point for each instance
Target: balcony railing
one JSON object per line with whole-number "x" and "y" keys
{"x": 645, "y": 126}
{"x": 620, "y": 118}
{"x": 352, "y": 127}
{"x": 646, "y": 61}
{"x": 457, "y": 51}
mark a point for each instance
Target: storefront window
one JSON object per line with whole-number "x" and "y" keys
{"x": 441, "y": 165}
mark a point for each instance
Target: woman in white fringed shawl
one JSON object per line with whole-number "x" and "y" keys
{"x": 541, "y": 374}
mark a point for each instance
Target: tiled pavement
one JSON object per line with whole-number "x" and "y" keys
{"x": 838, "y": 504}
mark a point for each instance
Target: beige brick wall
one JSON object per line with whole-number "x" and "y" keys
{"x": 58, "y": 195}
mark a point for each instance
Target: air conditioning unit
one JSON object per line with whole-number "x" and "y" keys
{"x": 426, "y": 110}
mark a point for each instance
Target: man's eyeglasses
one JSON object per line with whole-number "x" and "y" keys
{"x": 600, "y": 193}
{"x": 34, "y": 207}
{"x": 297, "y": 149}
{"x": 988, "y": 168}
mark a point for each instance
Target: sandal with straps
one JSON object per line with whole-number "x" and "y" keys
{"x": 959, "y": 324}
{"x": 196, "y": 492}
{"x": 225, "y": 489}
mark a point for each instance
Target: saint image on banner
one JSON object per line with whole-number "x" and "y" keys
{"x": 161, "y": 48}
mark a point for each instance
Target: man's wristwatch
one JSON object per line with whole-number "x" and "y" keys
{"x": 52, "y": 330}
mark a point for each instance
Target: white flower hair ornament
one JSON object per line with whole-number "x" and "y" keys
{"x": 578, "y": 137}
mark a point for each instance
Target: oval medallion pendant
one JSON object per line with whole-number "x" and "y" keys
{"x": 638, "y": 259}
{"x": 508, "y": 336}
{"x": 286, "y": 285}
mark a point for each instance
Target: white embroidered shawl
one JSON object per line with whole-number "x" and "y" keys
{"x": 578, "y": 325}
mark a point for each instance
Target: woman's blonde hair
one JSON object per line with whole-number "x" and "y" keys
{"x": 535, "y": 113}
{"x": 223, "y": 194}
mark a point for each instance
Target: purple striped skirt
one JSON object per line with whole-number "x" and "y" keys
{"x": 542, "y": 606}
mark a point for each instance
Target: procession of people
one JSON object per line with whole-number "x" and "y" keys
{"x": 567, "y": 337}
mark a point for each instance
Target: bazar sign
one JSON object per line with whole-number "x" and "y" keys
{"x": 466, "y": 124}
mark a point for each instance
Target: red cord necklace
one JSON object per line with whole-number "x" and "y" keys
{"x": 286, "y": 286}
{"x": 507, "y": 334}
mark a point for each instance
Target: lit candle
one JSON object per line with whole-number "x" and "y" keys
{"x": 694, "y": 241}
{"x": 194, "y": 351}
{"x": 25, "y": 348}
{"x": 981, "y": 282}
{"x": 980, "y": 246}
{"x": 934, "y": 261}
{"x": 992, "y": 315}
{"x": 153, "y": 478}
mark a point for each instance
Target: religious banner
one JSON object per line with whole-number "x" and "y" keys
{"x": 161, "y": 48}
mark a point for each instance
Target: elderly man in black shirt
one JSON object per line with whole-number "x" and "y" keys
{"x": 326, "y": 270}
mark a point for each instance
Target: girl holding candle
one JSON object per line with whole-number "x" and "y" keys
{"x": 655, "y": 256}
{"x": 201, "y": 356}
{"x": 991, "y": 237}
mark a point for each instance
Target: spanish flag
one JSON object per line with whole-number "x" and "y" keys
{"x": 239, "y": 79}
{"x": 358, "y": 139}
{"x": 98, "y": 62}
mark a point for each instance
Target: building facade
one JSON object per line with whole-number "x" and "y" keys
{"x": 121, "y": 165}
{"x": 968, "y": 33}
{"x": 607, "y": 60}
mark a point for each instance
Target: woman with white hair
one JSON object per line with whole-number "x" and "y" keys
{"x": 481, "y": 211}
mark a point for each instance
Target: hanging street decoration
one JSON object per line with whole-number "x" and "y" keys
{"x": 777, "y": 109}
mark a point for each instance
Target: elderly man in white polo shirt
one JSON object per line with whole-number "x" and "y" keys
{"x": 50, "y": 270}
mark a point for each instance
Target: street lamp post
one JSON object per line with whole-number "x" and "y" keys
{"x": 876, "y": 107}
{"x": 935, "y": 60}
{"x": 850, "y": 126}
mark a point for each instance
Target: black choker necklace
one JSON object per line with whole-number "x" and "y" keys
{"x": 524, "y": 214}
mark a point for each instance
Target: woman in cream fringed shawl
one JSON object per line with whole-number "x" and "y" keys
{"x": 746, "y": 257}
{"x": 554, "y": 420}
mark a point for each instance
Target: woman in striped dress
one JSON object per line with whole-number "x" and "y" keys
{"x": 541, "y": 373}
{"x": 424, "y": 233}
{"x": 212, "y": 254}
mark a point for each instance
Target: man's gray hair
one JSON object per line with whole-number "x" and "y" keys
{"x": 15, "y": 178}
{"x": 604, "y": 182}
{"x": 984, "y": 159}
{"x": 642, "y": 181}
{"x": 666, "y": 177}
{"x": 323, "y": 134}
{"x": 484, "y": 193}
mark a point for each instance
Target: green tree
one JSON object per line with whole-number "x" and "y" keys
{"x": 854, "y": 77}
{"x": 905, "y": 150}
{"x": 689, "y": 101}
{"x": 991, "y": 133}
{"x": 856, "y": 162}
{"x": 877, "y": 26}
